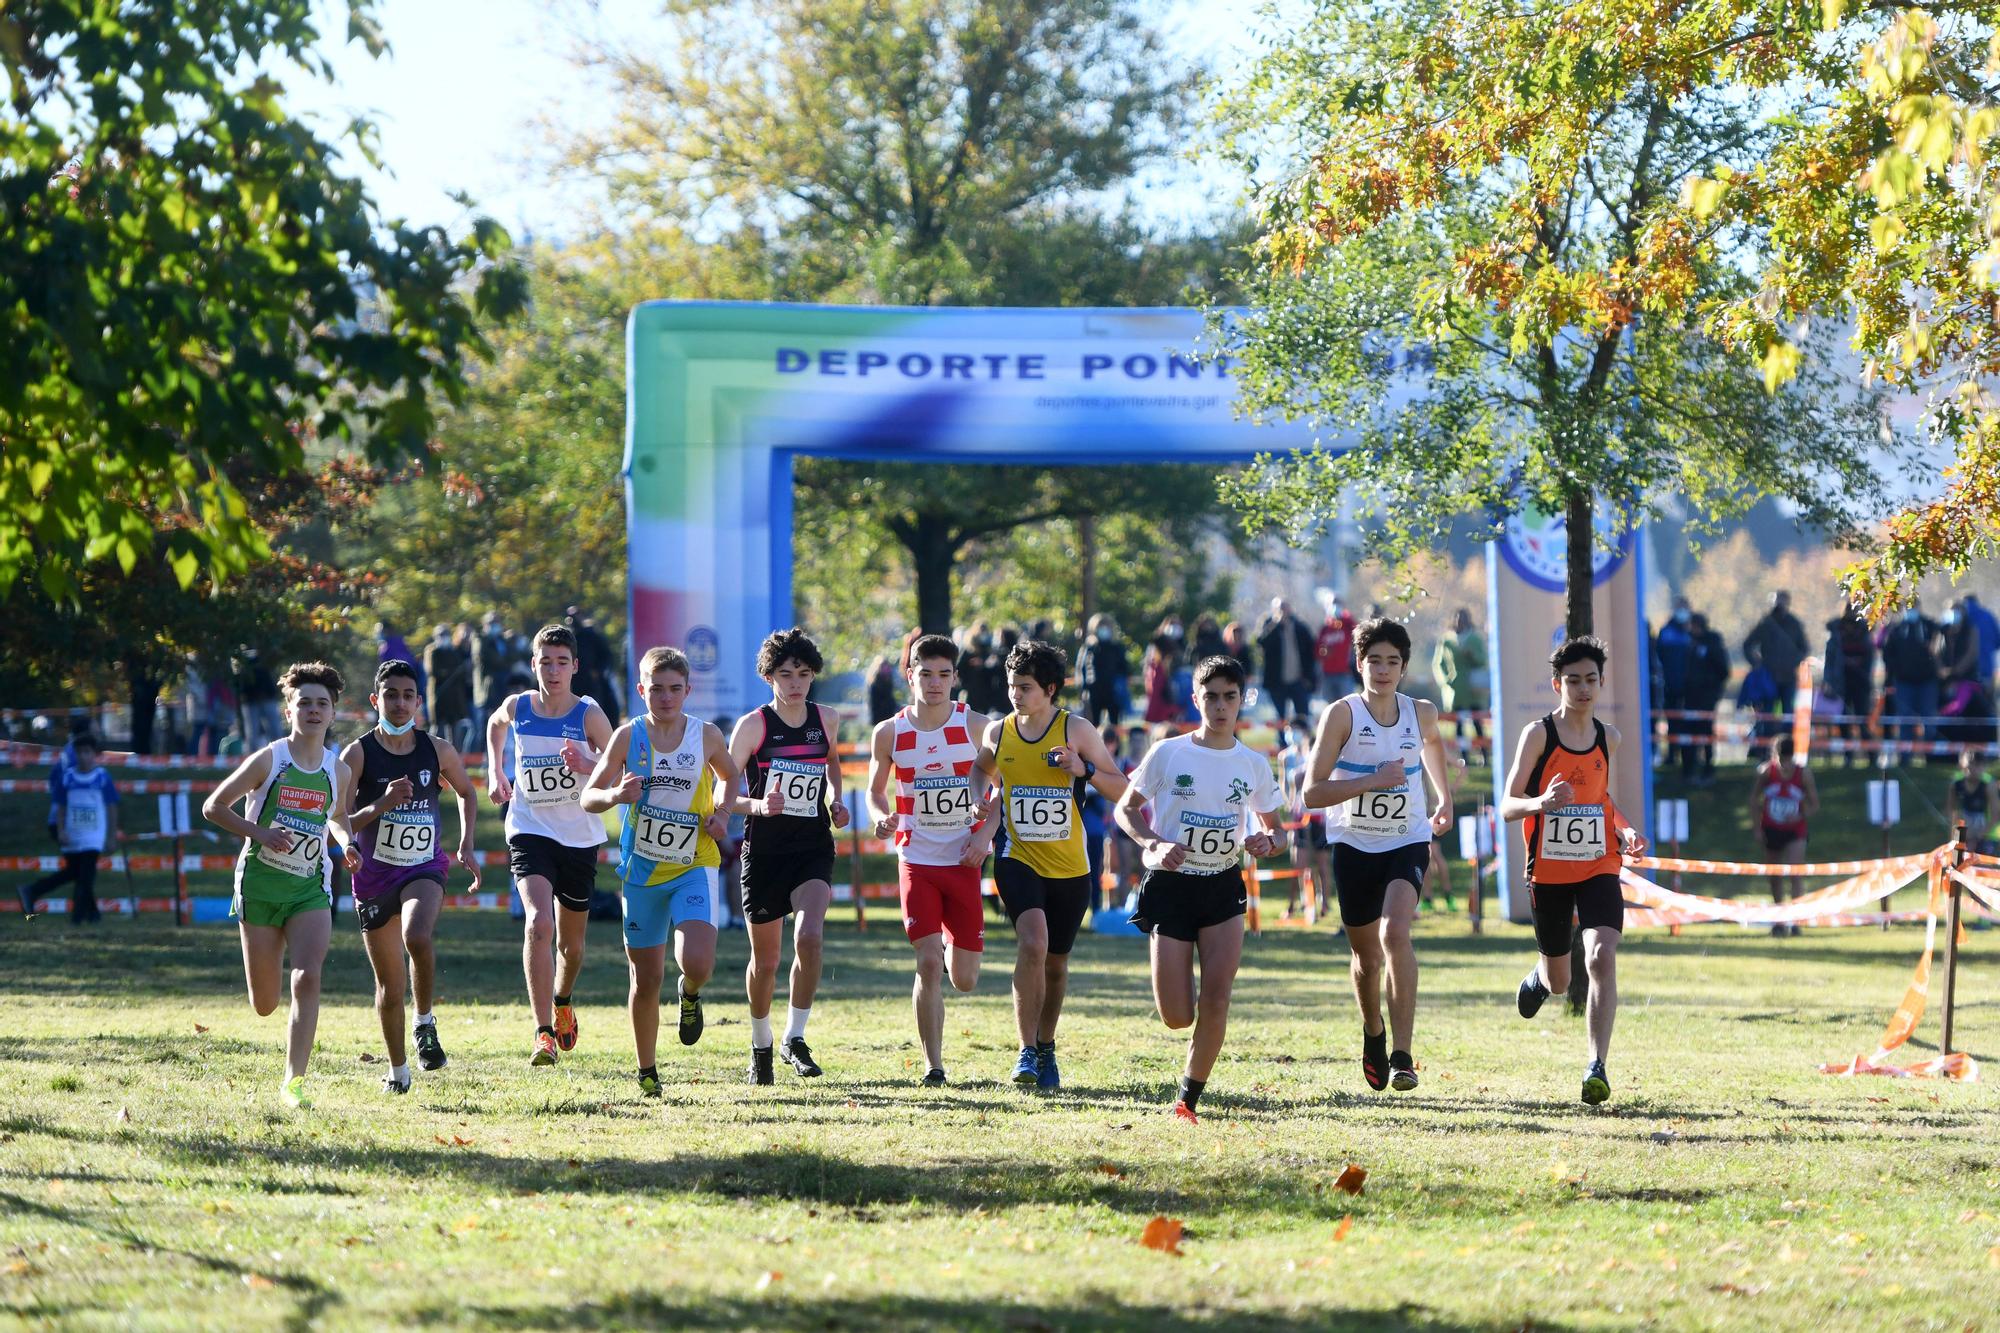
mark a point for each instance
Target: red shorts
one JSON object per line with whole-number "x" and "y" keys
{"x": 943, "y": 898}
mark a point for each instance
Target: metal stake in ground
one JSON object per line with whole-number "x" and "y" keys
{"x": 1951, "y": 939}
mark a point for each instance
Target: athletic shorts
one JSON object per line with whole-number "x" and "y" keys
{"x": 653, "y": 910}
{"x": 385, "y": 909}
{"x": 1597, "y": 902}
{"x": 1179, "y": 906}
{"x": 1062, "y": 901}
{"x": 275, "y": 909}
{"x": 1312, "y": 836}
{"x": 570, "y": 871}
{"x": 1361, "y": 879}
{"x": 770, "y": 879}
{"x": 1777, "y": 839}
{"x": 942, "y": 898}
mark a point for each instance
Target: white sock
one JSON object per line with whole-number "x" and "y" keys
{"x": 760, "y": 1032}
{"x": 426, "y": 1018}
{"x": 401, "y": 1073}
{"x": 795, "y": 1021}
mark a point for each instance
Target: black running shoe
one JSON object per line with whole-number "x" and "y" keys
{"x": 1402, "y": 1071}
{"x": 760, "y": 1066}
{"x": 393, "y": 1088}
{"x": 649, "y": 1083}
{"x": 1375, "y": 1059}
{"x": 1531, "y": 995}
{"x": 690, "y": 1017}
{"x": 430, "y": 1051}
{"x": 800, "y": 1057}
{"x": 1596, "y": 1084}
{"x": 934, "y": 1079}
{"x": 27, "y": 903}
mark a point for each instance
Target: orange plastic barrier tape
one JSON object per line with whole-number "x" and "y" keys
{"x": 1688, "y": 865}
{"x": 1952, "y": 1064}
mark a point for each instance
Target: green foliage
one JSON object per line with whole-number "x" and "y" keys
{"x": 188, "y": 282}
{"x": 1472, "y": 186}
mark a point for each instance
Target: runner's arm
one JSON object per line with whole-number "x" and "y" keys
{"x": 881, "y": 767}
{"x": 336, "y": 819}
{"x": 829, "y": 721}
{"x": 1272, "y": 832}
{"x": 1811, "y": 806}
{"x": 1108, "y": 779}
{"x": 451, "y": 771}
{"x": 743, "y": 745}
{"x": 1518, "y": 803}
{"x": 723, "y": 765}
{"x": 1633, "y": 843}
{"x": 497, "y": 785}
{"x": 609, "y": 783}
{"x": 1323, "y": 789}
{"x": 596, "y": 738}
{"x": 350, "y": 788}
{"x": 220, "y": 807}
{"x": 1756, "y": 795}
{"x": 1437, "y": 768}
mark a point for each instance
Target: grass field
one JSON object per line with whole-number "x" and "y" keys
{"x": 149, "y": 1177}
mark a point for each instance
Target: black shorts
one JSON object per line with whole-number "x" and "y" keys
{"x": 386, "y": 909}
{"x": 1179, "y": 906}
{"x": 770, "y": 878}
{"x": 570, "y": 871}
{"x": 1062, "y": 901}
{"x": 1311, "y": 837}
{"x": 1597, "y": 902}
{"x": 1361, "y": 879}
{"x": 1777, "y": 839}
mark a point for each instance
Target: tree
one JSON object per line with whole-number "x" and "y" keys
{"x": 920, "y": 152}
{"x": 1495, "y": 290}
{"x": 188, "y": 282}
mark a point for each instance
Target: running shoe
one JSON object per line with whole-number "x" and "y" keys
{"x": 545, "y": 1049}
{"x": 1047, "y": 1077}
{"x": 800, "y": 1057}
{"x": 1027, "y": 1069}
{"x": 1375, "y": 1059}
{"x": 430, "y": 1051}
{"x": 649, "y": 1085}
{"x": 293, "y": 1094}
{"x": 691, "y": 1020}
{"x": 566, "y": 1026}
{"x": 760, "y": 1067}
{"x": 1596, "y": 1084}
{"x": 1182, "y": 1111}
{"x": 27, "y": 903}
{"x": 1402, "y": 1071}
{"x": 1528, "y": 999}
{"x": 934, "y": 1079}
{"x": 390, "y": 1085}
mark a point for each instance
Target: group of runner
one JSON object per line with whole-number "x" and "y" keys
{"x": 950, "y": 787}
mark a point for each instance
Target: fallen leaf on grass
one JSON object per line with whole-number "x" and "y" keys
{"x": 575, "y": 1165}
{"x": 1993, "y": 1257}
{"x": 1731, "y": 1289}
{"x": 1346, "y": 1225}
{"x": 258, "y": 1282}
{"x": 460, "y": 1143}
{"x": 124, "y": 1116}
{"x": 1105, "y": 1168}
{"x": 1351, "y": 1179}
{"x": 22, "y": 1268}
{"x": 1880, "y": 1101}
{"x": 369, "y": 1058}
{"x": 770, "y": 1276}
{"x": 199, "y": 1028}
{"x": 1163, "y": 1234}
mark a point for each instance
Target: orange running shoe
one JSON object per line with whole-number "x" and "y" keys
{"x": 566, "y": 1027}
{"x": 1182, "y": 1111}
{"x": 545, "y": 1050}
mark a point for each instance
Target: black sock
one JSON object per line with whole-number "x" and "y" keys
{"x": 1048, "y": 1045}
{"x": 1191, "y": 1090}
{"x": 1400, "y": 1060}
{"x": 562, "y": 1001}
{"x": 650, "y": 1071}
{"x": 545, "y": 1028}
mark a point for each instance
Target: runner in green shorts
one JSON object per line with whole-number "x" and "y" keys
{"x": 291, "y": 803}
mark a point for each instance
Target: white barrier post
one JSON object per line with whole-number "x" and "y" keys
{"x": 1885, "y": 811}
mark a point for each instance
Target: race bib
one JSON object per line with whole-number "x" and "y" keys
{"x": 81, "y": 820}
{"x": 1040, "y": 814}
{"x": 1212, "y": 842}
{"x": 1782, "y": 810}
{"x": 802, "y": 783}
{"x": 546, "y": 781}
{"x": 306, "y": 853}
{"x": 406, "y": 837}
{"x": 1573, "y": 833}
{"x": 669, "y": 836}
{"x": 1384, "y": 814}
{"x": 943, "y": 804}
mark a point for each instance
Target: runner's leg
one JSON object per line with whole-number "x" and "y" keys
{"x": 572, "y": 928}
{"x": 263, "y": 964}
{"x": 421, "y": 903}
{"x": 927, "y": 998}
{"x": 694, "y": 954}
{"x": 648, "y": 968}
{"x": 809, "y": 904}
{"x": 537, "y": 939}
{"x": 1399, "y": 906}
{"x": 1173, "y": 980}
{"x": 964, "y": 969}
{"x": 1055, "y": 985}
{"x": 1600, "y": 954}
{"x": 1365, "y": 967}
{"x": 1221, "y": 950}
{"x": 760, "y": 975}
{"x": 385, "y": 955}
{"x": 1031, "y": 967}
{"x": 306, "y": 938}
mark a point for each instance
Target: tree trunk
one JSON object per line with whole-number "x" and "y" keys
{"x": 1086, "y": 540}
{"x": 1578, "y": 618}
{"x": 933, "y": 546}
{"x": 145, "y": 703}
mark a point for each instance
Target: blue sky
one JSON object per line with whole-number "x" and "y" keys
{"x": 465, "y": 98}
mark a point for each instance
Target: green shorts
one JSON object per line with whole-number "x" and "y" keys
{"x": 259, "y": 906}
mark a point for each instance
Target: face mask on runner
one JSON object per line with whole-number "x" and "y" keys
{"x": 1683, "y": 615}
{"x": 382, "y": 720}
{"x": 1104, "y": 636}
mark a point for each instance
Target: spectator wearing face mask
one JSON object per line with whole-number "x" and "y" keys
{"x": 1105, "y": 672}
{"x": 1163, "y": 658}
{"x": 1910, "y": 669}
{"x": 1673, "y": 645}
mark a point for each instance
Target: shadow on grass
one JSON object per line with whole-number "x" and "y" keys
{"x": 637, "y": 1309}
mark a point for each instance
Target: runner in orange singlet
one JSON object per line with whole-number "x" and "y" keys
{"x": 1561, "y": 785}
